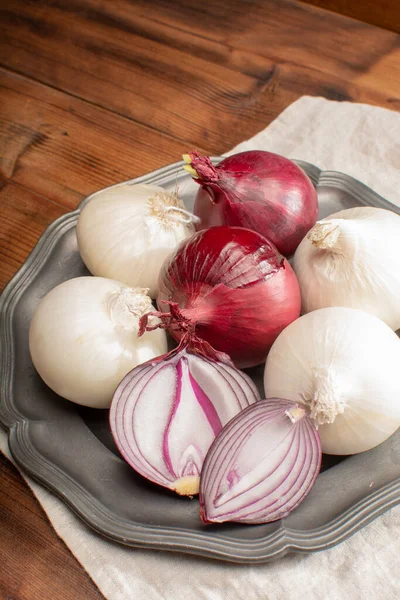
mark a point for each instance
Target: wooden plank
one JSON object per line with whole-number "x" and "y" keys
{"x": 387, "y": 70}
{"x": 44, "y": 561}
{"x": 119, "y": 70}
{"x": 200, "y": 73}
{"x": 63, "y": 148}
{"x": 23, "y": 218}
{"x": 385, "y": 13}
{"x": 110, "y": 90}
{"x": 282, "y": 30}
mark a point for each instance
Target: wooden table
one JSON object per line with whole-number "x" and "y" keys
{"x": 95, "y": 92}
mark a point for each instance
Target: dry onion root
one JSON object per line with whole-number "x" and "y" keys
{"x": 261, "y": 465}
{"x": 352, "y": 259}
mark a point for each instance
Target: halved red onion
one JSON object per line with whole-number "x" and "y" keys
{"x": 261, "y": 465}
{"x": 164, "y": 415}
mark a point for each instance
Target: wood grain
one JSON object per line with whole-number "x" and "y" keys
{"x": 213, "y": 69}
{"x": 64, "y": 148}
{"x": 94, "y": 92}
{"x": 46, "y": 569}
{"x": 385, "y": 13}
{"x": 148, "y": 90}
{"x": 23, "y": 217}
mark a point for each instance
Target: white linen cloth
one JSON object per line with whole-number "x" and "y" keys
{"x": 363, "y": 141}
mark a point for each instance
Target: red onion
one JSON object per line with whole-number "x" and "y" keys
{"x": 233, "y": 288}
{"x": 166, "y": 413}
{"x": 257, "y": 190}
{"x": 261, "y": 465}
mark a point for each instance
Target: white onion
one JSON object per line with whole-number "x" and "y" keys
{"x": 352, "y": 259}
{"x": 125, "y": 233}
{"x": 343, "y": 364}
{"x": 83, "y": 338}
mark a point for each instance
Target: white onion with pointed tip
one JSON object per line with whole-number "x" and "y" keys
{"x": 352, "y": 259}
{"x": 125, "y": 233}
{"x": 83, "y": 338}
{"x": 343, "y": 365}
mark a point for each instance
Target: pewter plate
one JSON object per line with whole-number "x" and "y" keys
{"x": 70, "y": 450}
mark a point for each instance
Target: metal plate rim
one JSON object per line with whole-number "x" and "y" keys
{"x": 281, "y": 541}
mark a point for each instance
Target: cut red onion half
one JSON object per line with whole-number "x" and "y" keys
{"x": 164, "y": 415}
{"x": 261, "y": 465}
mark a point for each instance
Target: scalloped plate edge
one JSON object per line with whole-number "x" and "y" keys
{"x": 280, "y": 541}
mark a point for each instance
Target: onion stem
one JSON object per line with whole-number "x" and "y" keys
{"x": 191, "y": 171}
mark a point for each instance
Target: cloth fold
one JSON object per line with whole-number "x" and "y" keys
{"x": 362, "y": 141}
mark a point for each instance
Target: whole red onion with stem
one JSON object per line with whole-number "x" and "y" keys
{"x": 232, "y": 288}
{"x": 257, "y": 190}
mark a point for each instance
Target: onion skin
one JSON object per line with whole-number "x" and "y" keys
{"x": 352, "y": 259}
{"x": 166, "y": 413}
{"x": 257, "y": 190}
{"x": 342, "y": 364}
{"x": 84, "y": 338}
{"x": 233, "y": 288}
{"x": 261, "y": 465}
{"x": 125, "y": 232}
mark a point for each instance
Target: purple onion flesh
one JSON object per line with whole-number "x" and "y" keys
{"x": 261, "y": 465}
{"x": 164, "y": 415}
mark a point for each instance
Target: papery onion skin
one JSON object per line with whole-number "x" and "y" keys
{"x": 352, "y": 259}
{"x": 257, "y": 190}
{"x": 165, "y": 414}
{"x": 125, "y": 232}
{"x": 83, "y": 338}
{"x": 261, "y": 465}
{"x": 234, "y": 288}
{"x": 343, "y": 365}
